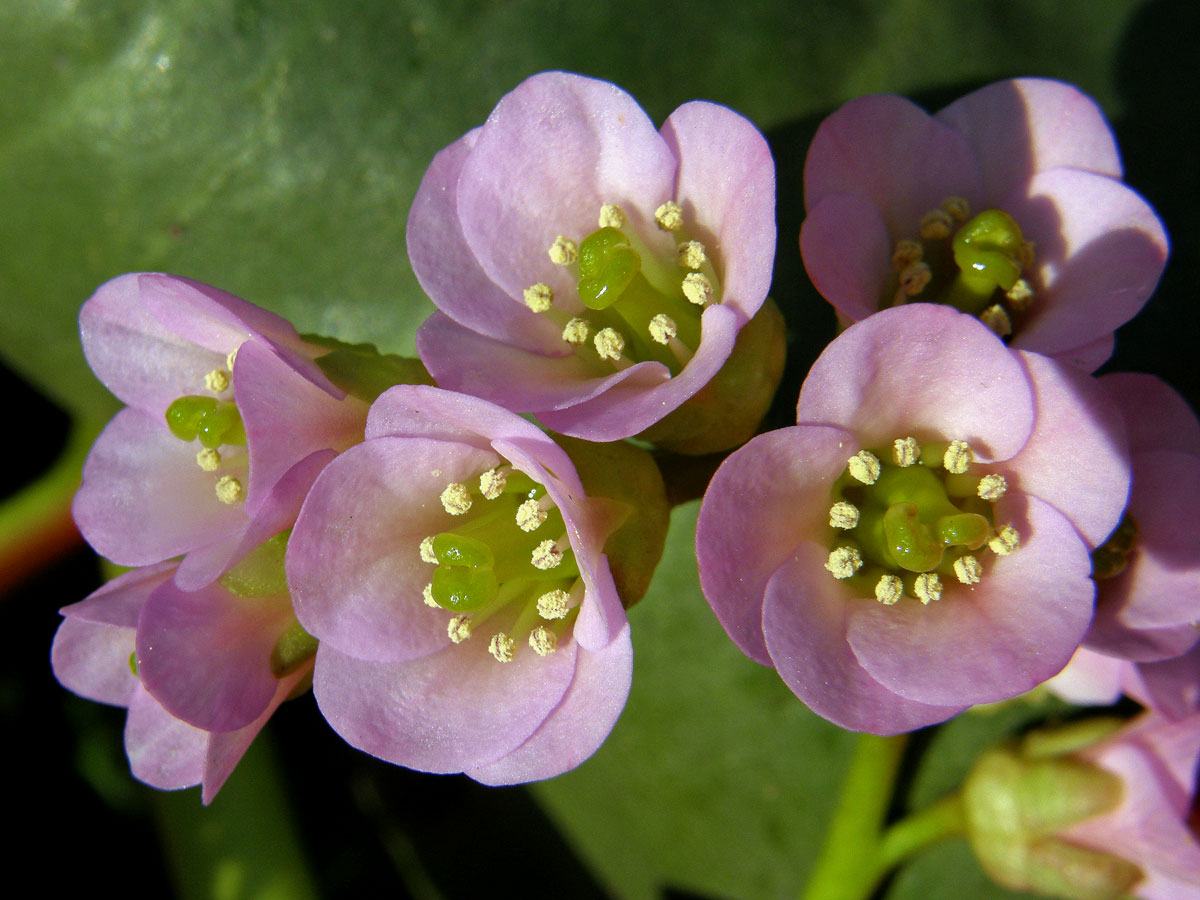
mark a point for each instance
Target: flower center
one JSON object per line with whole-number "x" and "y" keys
{"x": 638, "y": 305}
{"x": 1110, "y": 558}
{"x": 974, "y": 265}
{"x": 510, "y": 551}
{"x": 913, "y": 515}
{"x": 216, "y": 423}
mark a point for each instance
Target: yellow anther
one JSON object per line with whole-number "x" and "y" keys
{"x": 935, "y": 225}
{"x": 844, "y": 562}
{"x": 230, "y": 490}
{"x": 958, "y": 208}
{"x": 663, "y": 328}
{"x": 232, "y": 355}
{"x": 996, "y": 318}
{"x": 427, "y": 554}
{"x": 563, "y": 251}
{"x": 889, "y": 590}
{"x": 530, "y": 515}
{"x": 905, "y": 254}
{"x": 906, "y": 451}
{"x": 543, "y": 640}
{"x": 491, "y": 483}
{"x": 208, "y": 459}
{"x": 843, "y": 515}
{"x": 612, "y": 216}
{"x": 928, "y": 587}
{"x": 690, "y": 254}
{"x": 957, "y": 458}
{"x": 992, "y": 487}
{"x": 502, "y": 647}
{"x": 546, "y": 555}
{"x": 669, "y": 216}
{"x": 915, "y": 278}
{"x": 456, "y": 498}
{"x": 554, "y": 605}
{"x": 1020, "y": 296}
{"x": 458, "y": 629}
{"x": 217, "y": 380}
{"x": 697, "y": 288}
{"x": 864, "y": 466}
{"x": 576, "y": 331}
{"x": 427, "y": 596}
{"x": 539, "y": 297}
{"x": 968, "y": 570}
{"x": 1007, "y": 540}
{"x": 609, "y": 344}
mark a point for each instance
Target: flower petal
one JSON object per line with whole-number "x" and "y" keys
{"x": 847, "y": 252}
{"x": 1157, "y": 416}
{"x": 163, "y": 752}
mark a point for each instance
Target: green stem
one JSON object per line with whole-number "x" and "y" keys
{"x": 920, "y": 831}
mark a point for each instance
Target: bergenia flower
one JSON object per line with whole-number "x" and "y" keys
{"x": 203, "y": 462}
{"x": 1007, "y": 204}
{"x": 919, "y": 542}
{"x": 96, "y": 654}
{"x": 452, "y": 568}
{"x": 586, "y": 267}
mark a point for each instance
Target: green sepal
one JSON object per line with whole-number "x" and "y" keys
{"x": 362, "y": 371}
{"x": 260, "y": 573}
{"x": 294, "y": 648}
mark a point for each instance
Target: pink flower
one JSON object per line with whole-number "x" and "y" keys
{"x": 563, "y": 240}
{"x": 919, "y": 542}
{"x": 101, "y": 652}
{"x": 453, "y": 570}
{"x": 1008, "y": 204}
{"x": 202, "y": 463}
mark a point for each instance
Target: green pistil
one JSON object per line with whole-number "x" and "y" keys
{"x": 987, "y": 251}
{"x": 1111, "y": 558}
{"x": 607, "y": 264}
{"x": 214, "y": 422}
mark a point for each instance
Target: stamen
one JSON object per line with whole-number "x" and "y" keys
{"x": 217, "y": 380}
{"x": 563, "y": 251}
{"x": 491, "y": 483}
{"x": 906, "y": 451}
{"x": 427, "y": 596}
{"x": 968, "y": 570}
{"x": 208, "y": 459}
{"x": 843, "y": 515}
{"x": 690, "y": 254}
{"x": 915, "y": 278}
{"x": 864, "y": 466}
{"x": 958, "y": 208}
{"x": 611, "y": 216}
{"x": 928, "y": 587}
{"x": 530, "y": 515}
{"x": 576, "y": 331}
{"x": 992, "y": 487}
{"x": 539, "y": 297}
{"x": 844, "y": 562}
{"x": 697, "y": 288}
{"x": 554, "y": 605}
{"x": 1025, "y": 254}
{"x": 663, "y": 328}
{"x": 669, "y": 216}
{"x": 996, "y": 318}
{"x": 1020, "y": 295}
{"x": 936, "y": 225}
{"x": 230, "y": 358}
{"x": 502, "y": 647}
{"x": 230, "y": 490}
{"x": 906, "y": 253}
{"x": 958, "y": 457}
{"x": 1007, "y": 540}
{"x": 546, "y": 555}
{"x": 456, "y": 498}
{"x": 458, "y": 629}
{"x": 543, "y": 640}
{"x": 609, "y": 344}
{"x": 889, "y": 590}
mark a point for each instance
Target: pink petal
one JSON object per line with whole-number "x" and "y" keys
{"x": 1157, "y": 416}
{"x": 1090, "y": 679}
{"x": 1091, "y": 356}
{"x": 1173, "y": 685}
{"x": 1028, "y": 125}
{"x": 163, "y": 752}
{"x": 847, "y": 252}
{"x": 1016, "y": 628}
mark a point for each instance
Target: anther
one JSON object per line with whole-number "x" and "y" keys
{"x": 889, "y": 590}
{"x": 539, "y": 297}
{"x": 1020, "y": 295}
{"x": 936, "y": 225}
{"x": 491, "y": 483}
{"x": 928, "y": 587}
{"x": 456, "y": 498}
{"x": 1007, "y": 540}
{"x": 563, "y": 251}
{"x": 669, "y": 216}
{"x": 427, "y": 596}
{"x": 968, "y": 570}
{"x": 554, "y": 605}
{"x": 996, "y": 318}
{"x": 958, "y": 208}
{"x": 843, "y": 515}
{"x": 576, "y": 331}
{"x": 992, "y": 487}
{"x": 864, "y": 466}
{"x": 543, "y": 640}
{"x": 844, "y": 562}
{"x": 458, "y": 629}
{"x": 663, "y": 328}
{"x": 230, "y": 490}
{"x": 915, "y": 278}
{"x": 690, "y": 254}
{"x": 502, "y": 647}
{"x": 906, "y": 451}
{"x": 546, "y": 555}
{"x": 208, "y": 459}
{"x": 427, "y": 554}
{"x": 609, "y": 343}
{"x": 611, "y": 216}
{"x": 230, "y": 358}
{"x": 905, "y": 254}
{"x": 530, "y": 515}
{"x": 217, "y": 380}
{"x": 957, "y": 458}
{"x": 697, "y": 288}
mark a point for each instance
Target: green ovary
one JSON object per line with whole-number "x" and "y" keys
{"x": 214, "y": 422}
{"x": 987, "y": 251}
